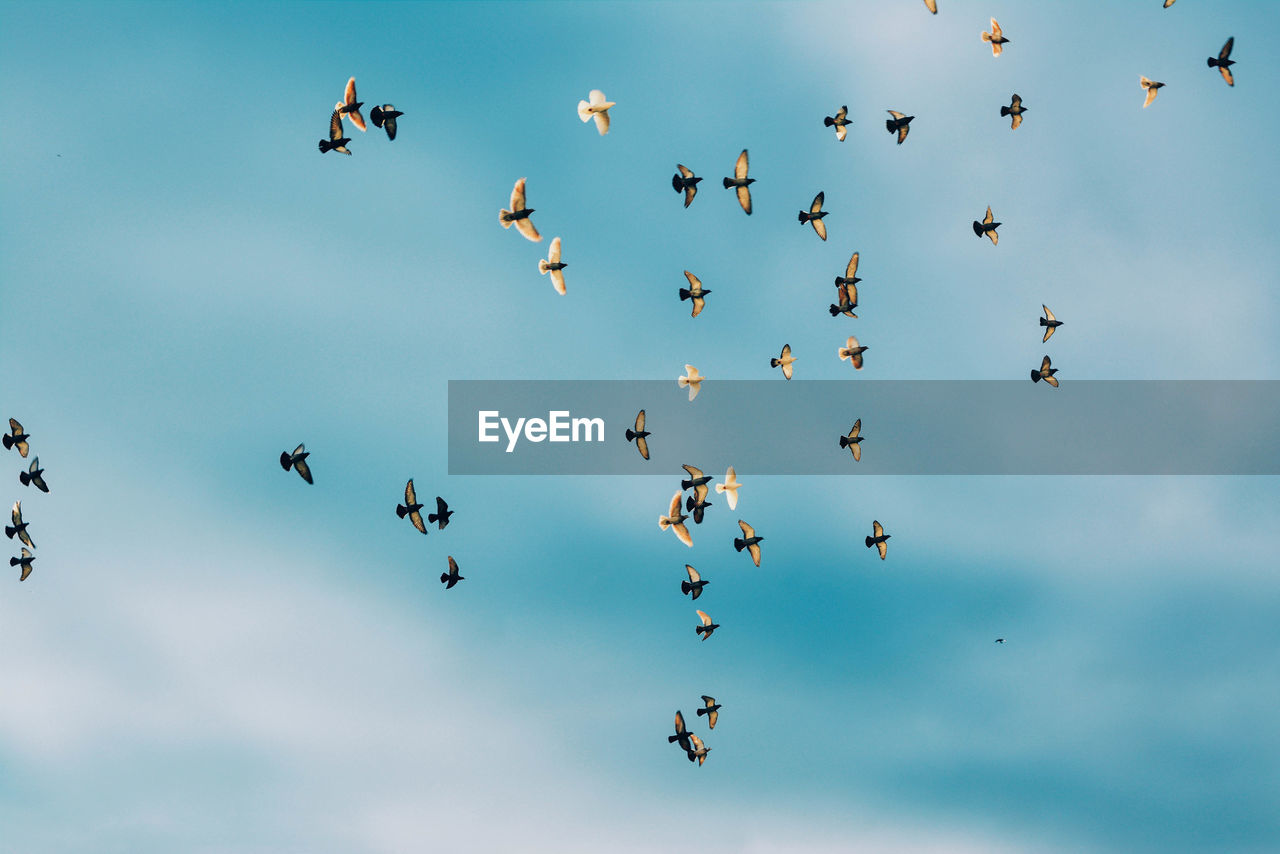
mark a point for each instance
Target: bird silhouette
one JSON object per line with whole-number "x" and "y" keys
{"x": 682, "y": 734}
{"x": 1014, "y": 109}
{"x": 899, "y": 124}
{"x": 748, "y": 541}
{"x": 336, "y": 141}
{"x": 1049, "y": 322}
{"x": 1045, "y": 373}
{"x": 297, "y": 460}
{"x": 25, "y": 562}
{"x": 741, "y": 182}
{"x": 450, "y": 578}
{"x": 16, "y": 438}
{"x": 987, "y": 228}
{"x": 707, "y": 626}
{"x": 19, "y": 527}
{"x": 853, "y": 440}
{"x": 711, "y": 709}
{"x": 697, "y": 503}
{"x": 695, "y": 583}
{"x": 1224, "y": 62}
{"x": 639, "y": 434}
{"x": 686, "y": 182}
{"x": 695, "y": 292}
{"x": 411, "y": 507}
{"x": 840, "y": 121}
{"x": 879, "y": 539}
{"x": 385, "y": 117}
{"x": 700, "y": 750}
{"x": 442, "y": 513}
{"x": 814, "y": 216}
{"x": 34, "y": 476}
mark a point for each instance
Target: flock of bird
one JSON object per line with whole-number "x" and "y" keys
{"x": 16, "y": 439}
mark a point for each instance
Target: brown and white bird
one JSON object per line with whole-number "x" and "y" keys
{"x": 987, "y": 228}
{"x": 840, "y": 121}
{"x": 16, "y": 438}
{"x": 1049, "y": 322}
{"x": 684, "y": 181}
{"x": 748, "y": 541}
{"x": 1224, "y": 61}
{"x": 741, "y": 182}
{"x": 297, "y": 460}
{"x": 385, "y": 117}
{"x": 852, "y": 351}
{"x": 19, "y": 527}
{"x": 814, "y": 216}
{"x": 996, "y": 37}
{"x": 1045, "y": 373}
{"x": 1014, "y": 109}
{"x": 695, "y": 583}
{"x": 899, "y": 124}
{"x": 730, "y": 488}
{"x": 682, "y": 734}
{"x": 707, "y": 626}
{"x": 711, "y": 709}
{"x": 34, "y": 476}
{"x": 519, "y": 214}
{"x": 674, "y": 520}
{"x": 25, "y": 562}
{"x": 784, "y": 361}
{"x": 700, "y": 750}
{"x": 336, "y": 141}
{"x": 695, "y": 292}
{"x": 411, "y": 507}
{"x": 596, "y": 107}
{"x": 553, "y": 265}
{"x": 350, "y": 107}
{"x": 1152, "y": 88}
{"x": 450, "y": 578}
{"x": 696, "y": 477}
{"x": 878, "y": 538}
{"x": 639, "y": 435}
{"x": 853, "y": 440}
{"x": 691, "y": 380}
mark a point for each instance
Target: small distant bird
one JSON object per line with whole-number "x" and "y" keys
{"x": 1049, "y": 322}
{"x": 685, "y": 181}
{"x": 442, "y": 513}
{"x": 1223, "y": 63}
{"x": 640, "y": 435}
{"x": 1001, "y": 640}
{"x": 411, "y": 507}
{"x": 695, "y": 583}
{"x": 25, "y": 562}
{"x": 553, "y": 265}
{"x": 682, "y": 734}
{"x": 19, "y": 527}
{"x": 700, "y": 750}
{"x": 519, "y": 214}
{"x": 33, "y": 476}
{"x": 674, "y": 520}
{"x": 1014, "y": 109}
{"x": 385, "y": 117}
{"x": 899, "y": 124}
{"x": 1045, "y": 373}
{"x": 691, "y": 380}
{"x": 16, "y": 438}
{"x": 1152, "y": 87}
{"x": 697, "y": 503}
{"x": 987, "y": 228}
{"x": 730, "y": 488}
{"x": 996, "y": 37}
{"x": 853, "y": 440}
{"x": 450, "y": 578}
{"x": 596, "y": 107}
{"x": 742, "y": 182}
{"x": 350, "y": 107}
{"x": 840, "y": 121}
{"x": 784, "y": 361}
{"x": 336, "y": 141}
{"x": 879, "y": 539}
{"x": 711, "y": 710}
{"x": 707, "y": 626}
{"x": 852, "y": 351}
{"x": 297, "y": 460}
{"x": 695, "y": 292}
{"x": 696, "y": 478}
{"x": 814, "y": 216}
{"x": 751, "y": 542}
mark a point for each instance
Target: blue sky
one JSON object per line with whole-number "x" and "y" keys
{"x": 213, "y": 657}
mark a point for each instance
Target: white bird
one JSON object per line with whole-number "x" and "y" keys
{"x": 730, "y": 488}
{"x": 1152, "y": 88}
{"x": 691, "y": 380}
{"x": 674, "y": 520}
{"x": 596, "y": 107}
{"x": 553, "y": 266}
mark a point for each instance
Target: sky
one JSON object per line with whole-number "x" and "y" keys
{"x": 212, "y": 656}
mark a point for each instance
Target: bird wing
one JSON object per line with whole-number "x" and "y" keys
{"x": 416, "y": 518}
{"x": 704, "y": 617}
{"x": 689, "y": 192}
{"x": 1225, "y": 53}
{"x": 410, "y": 497}
{"x": 602, "y": 122}
{"x": 680, "y": 730}
{"x": 1227, "y": 75}
{"x": 877, "y": 529}
{"x": 1053, "y": 381}
{"x": 841, "y": 132}
{"x": 996, "y": 32}
{"x": 304, "y": 470}
{"x": 693, "y": 574}
{"x": 14, "y": 427}
{"x": 517, "y": 196}
{"x": 684, "y": 171}
{"x": 819, "y": 226}
{"x": 695, "y": 284}
{"x": 1047, "y": 333}
{"x": 931, "y": 5}
{"x": 1017, "y": 100}
{"x": 994, "y": 237}
{"x": 896, "y": 114}
{"x": 744, "y": 199}
{"x": 851, "y": 269}
{"x": 642, "y": 445}
{"x": 857, "y": 452}
{"x": 640, "y": 421}
{"x": 335, "y": 126}
{"x": 816, "y": 207}
{"x": 525, "y": 226}
{"x": 557, "y": 281}
{"x": 747, "y": 530}
{"x": 349, "y": 96}
{"x": 754, "y": 551}
{"x": 902, "y": 133}
{"x": 1047, "y": 314}
{"x": 740, "y": 168}
{"x": 674, "y": 511}
{"x": 1151, "y": 92}
{"x": 441, "y": 506}
{"x": 986, "y": 220}
{"x": 682, "y": 534}
{"x": 595, "y": 96}
{"x": 1168, "y": 3}
{"x": 842, "y": 113}
{"x": 692, "y": 372}
{"x": 553, "y": 255}
{"x": 698, "y": 304}
{"x": 857, "y": 428}
{"x": 710, "y": 701}
{"x": 16, "y": 514}
{"x": 712, "y": 717}
{"x": 1045, "y": 365}
{"x": 1015, "y": 121}
{"x": 453, "y": 566}
{"x": 882, "y": 547}
{"x": 694, "y": 473}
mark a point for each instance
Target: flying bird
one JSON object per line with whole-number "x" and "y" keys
{"x": 682, "y": 734}
{"x": 707, "y": 626}
{"x": 1045, "y": 373}
{"x": 852, "y": 351}
{"x": 879, "y": 538}
{"x": 700, "y": 750}
{"x": 1001, "y": 640}
{"x": 696, "y": 478}
{"x": 996, "y": 37}
{"x": 840, "y": 121}
{"x": 33, "y": 476}
{"x": 674, "y": 520}
{"x": 519, "y": 214}
{"x": 25, "y": 562}
{"x": 1152, "y": 87}
{"x": 742, "y": 182}
{"x": 730, "y": 488}
{"x": 350, "y": 107}
{"x": 336, "y": 141}
{"x": 411, "y": 507}
{"x": 442, "y": 513}
{"x": 596, "y": 107}
{"x": 1049, "y": 322}
{"x": 697, "y": 503}
{"x": 899, "y": 124}
{"x": 751, "y": 542}
{"x": 16, "y": 438}
{"x": 695, "y": 292}
{"x": 450, "y": 578}
{"x": 814, "y": 216}
{"x": 685, "y": 181}
{"x": 19, "y": 527}
{"x": 640, "y": 435}
{"x": 853, "y": 440}
{"x": 692, "y": 380}
{"x": 553, "y": 265}
{"x": 297, "y": 460}
{"x": 711, "y": 710}
{"x": 784, "y": 361}
{"x": 385, "y": 117}
{"x": 1223, "y": 63}
{"x": 695, "y": 583}
{"x": 1014, "y": 109}
{"x": 987, "y": 228}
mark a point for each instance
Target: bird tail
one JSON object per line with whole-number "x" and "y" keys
{"x": 502, "y": 217}
{"x": 432, "y": 517}
{"x": 986, "y": 37}
{"x": 325, "y": 145}
{"x": 13, "y": 561}
{"x": 738, "y": 544}
{"x": 684, "y": 294}
{"x": 630, "y": 434}
{"x": 888, "y": 125}
{"x": 376, "y": 115}
{"x": 1212, "y": 62}
{"x": 688, "y": 503}
{"x": 286, "y": 462}
{"x": 682, "y": 382}
{"x": 773, "y": 363}
{"x": 977, "y": 228}
{"x": 834, "y": 310}
{"x": 444, "y": 578}
{"x": 584, "y": 111}
{"x": 401, "y": 510}
{"x": 702, "y": 712}
{"x": 542, "y": 266}
{"x": 1044, "y": 322}
{"x": 828, "y": 122}
{"x": 727, "y": 183}
{"x": 1035, "y": 376}
{"x": 1004, "y": 111}
{"x": 7, "y": 439}
{"x": 803, "y": 216}
{"x": 675, "y": 182}
{"x": 24, "y": 477}
{"x": 870, "y": 542}
{"x": 844, "y": 441}
{"x": 672, "y": 739}
{"x": 663, "y": 523}
{"x": 9, "y": 532}
{"x": 685, "y": 586}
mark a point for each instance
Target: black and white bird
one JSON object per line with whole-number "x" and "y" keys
{"x": 553, "y": 265}
{"x": 987, "y": 228}
{"x": 707, "y": 626}
{"x": 853, "y": 440}
{"x": 748, "y": 541}
{"x": 336, "y": 141}
{"x": 25, "y": 562}
{"x": 1014, "y": 109}
{"x": 899, "y": 124}
{"x": 684, "y": 181}
{"x": 784, "y": 361}
{"x": 1049, "y": 322}
{"x": 297, "y": 460}
{"x": 711, "y": 709}
{"x": 450, "y": 578}
{"x": 385, "y": 117}
{"x": 695, "y": 583}
{"x": 840, "y": 121}
{"x": 878, "y": 538}
{"x": 16, "y": 438}
{"x": 519, "y": 214}
{"x": 1045, "y": 373}
{"x": 640, "y": 435}
{"x": 741, "y": 182}
{"x": 18, "y": 528}
{"x": 814, "y": 216}
{"x": 1224, "y": 61}
{"x": 34, "y": 476}
{"x": 411, "y": 507}
{"x": 442, "y": 513}
{"x": 695, "y": 292}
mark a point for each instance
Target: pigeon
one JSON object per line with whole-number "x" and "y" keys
{"x": 336, "y": 141}
{"x": 682, "y": 734}
{"x": 19, "y": 527}
{"x": 450, "y": 578}
{"x": 675, "y": 521}
{"x": 852, "y": 351}
{"x": 742, "y": 182}
{"x": 987, "y": 228}
{"x": 442, "y": 513}
{"x": 553, "y": 265}
{"x": 297, "y": 460}
{"x": 16, "y": 438}
{"x": 879, "y": 539}
{"x": 996, "y": 37}
{"x": 596, "y": 107}
{"x": 385, "y": 117}
{"x": 519, "y": 214}
{"x": 850, "y": 276}
{"x": 707, "y": 626}
{"x": 685, "y": 181}
{"x": 931, "y": 5}
{"x": 899, "y": 124}
{"x": 1223, "y": 63}
{"x": 640, "y": 435}
{"x": 411, "y": 507}
{"x": 1014, "y": 109}
{"x": 751, "y": 543}
{"x": 700, "y": 750}
{"x": 695, "y": 583}
{"x": 696, "y": 478}
{"x": 350, "y": 107}
{"x": 1049, "y": 322}
{"x": 1152, "y": 87}
{"x": 1001, "y": 640}
{"x": 847, "y": 293}
{"x": 33, "y": 476}
{"x": 730, "y": 488}
{"x": 711, "y": 710}
{"x": 695, "y": 292}
{"x": 840, "y": 121}
{"x": 784, "y": 361}
{"x": 697, "y": 503}
{"x": 814, "y": 216}
{"x": 1045, "y": 373}
{"x": 853, "y": 440}
{"x": 692, "y": 379}
{"x": 24, "y": 561}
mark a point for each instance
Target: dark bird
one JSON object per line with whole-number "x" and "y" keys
{"x": 700, "y": 750}
{"x": 25, "y": 562}
{"x": 1049, "y": 322}
{"x": 996, "y": 37}
{"x": 853, "y": 440}
{"x": 385, "y": 117}
{"x": 879, "y": 539}
{"x": 1045, "y": 373}
{"x": 1223, "y": 63}
{"x": 751, "y": 542}
{"x": 705, "y": 629}
{"x": 16, "y": 438}
{"x": 553, "y": 265}
{"x": 519, "y": 214}
{"x": 297, "y": 460}
{"x": 840, "y": 121}
{"x": 987, "y": 228}
{"x": 696, "y": 478}
{"x": 685, "y": 181}
{"x": 442, "y": 513}
{"x": 1014, "y": 109}
{"x": 697, "y": 503}
{"x": 695, "y": 292}
{"x": 450, "y": 578}
{"x": 852, "y": 351}
{"x": 336, "y": 141}
{"x": 350, "y": 107}
{"x": 741, "y": 181}
{"x": 899, "y": 124}
{"x": 711, "y": 710}
{"x": 814, "y": 216}
{"x": 411, "y": 507}
{"x": 19, "y": 527}
{"x": 695, "y": 583}
{"x": 1152, "y": 88}
{"x": 674, "y": 520}
{"x": 999, "y": 640}
{"x": 784, "y": 361}
{"x": 33, "y": 476}
{"x": 640, "y": 435}
{"x": 682, "y": 734}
